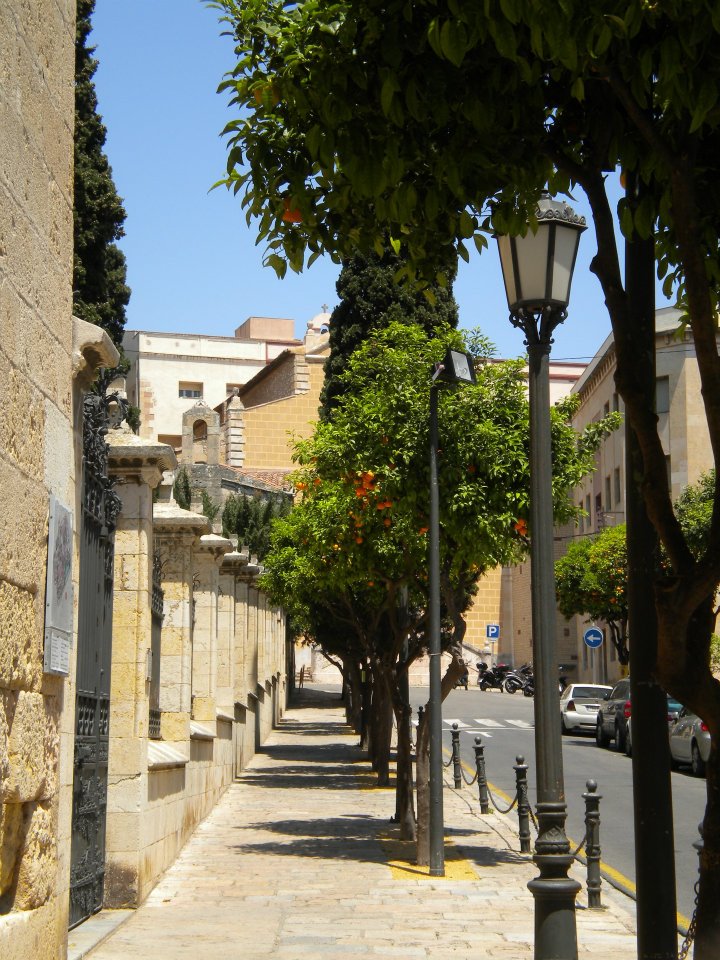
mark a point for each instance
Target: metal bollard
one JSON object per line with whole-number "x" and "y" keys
{"x": 523, "y": 804}
{"x": 481, "y": 777}
{"x": 457, "y": 769}
{"x": 592, "y": 843}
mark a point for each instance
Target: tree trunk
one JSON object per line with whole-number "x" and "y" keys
{"x": 707, "y": 940}
{"x": 381, "y": 723}
{"x": 404, "y": 806}
{"x": 422, "y": 765}
{"x": 353, "y": 706}
{"x": 366, "y": 711}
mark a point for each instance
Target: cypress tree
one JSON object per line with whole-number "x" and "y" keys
{"x": 100, "y": 292}
{"x": 371, "y": 298}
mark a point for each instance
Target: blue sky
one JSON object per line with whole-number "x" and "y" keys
{"x": 192, "y": 261}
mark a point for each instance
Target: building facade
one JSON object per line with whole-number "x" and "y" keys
{"x": 168, "y": 371}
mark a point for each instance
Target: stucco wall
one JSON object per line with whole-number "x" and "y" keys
{"x": 36, "y": 459}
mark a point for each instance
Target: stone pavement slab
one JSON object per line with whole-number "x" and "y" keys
{"x": 292, "y": 864}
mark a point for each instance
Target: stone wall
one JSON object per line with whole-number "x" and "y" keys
{"x": 36, "y": 459}
{"x": 270, "y": 427}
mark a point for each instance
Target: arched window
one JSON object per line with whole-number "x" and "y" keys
{"x": 199, "y": 430}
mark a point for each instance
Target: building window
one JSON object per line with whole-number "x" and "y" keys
{"x": 581, "y": 518}
{"x": 232, "y": 388}
{"x": 190, "y": 391}
{"x": 606, "y": 409}
{"x": 608, "y": 501}
{"x": 588, "y": 511}
{"x": 669, "y": 472}
{"x": 616, "y": 483}
{"x": 199, "y": 430}
{"x": 662, "y": 395}
{"x": 615, "y": 402}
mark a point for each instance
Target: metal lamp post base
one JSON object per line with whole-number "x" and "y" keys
{"x": 554, "y": 891}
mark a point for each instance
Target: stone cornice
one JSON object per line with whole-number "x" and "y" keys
{"x": 170, "y": 519}
{"x": 133, "y": 458}
{"x": 92, "y": 348}
{"x": 216, "y": 546}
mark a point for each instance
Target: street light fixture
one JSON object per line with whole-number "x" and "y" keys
{"x": 456, "y": 367}
{"x": 537, "y": 270}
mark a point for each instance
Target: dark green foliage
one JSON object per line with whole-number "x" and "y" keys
{"x": 100, "y": 292}
{"x": 371, "y": 298}
{"x": 694, "y": 509}
{"x": 181, "y": 489}
{"x": 250, "y": 519}
{"x": 210, "y": 509}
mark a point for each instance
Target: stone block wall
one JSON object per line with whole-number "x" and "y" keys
{"x": 36, "y": 459}
{"x": 269, "y": 427}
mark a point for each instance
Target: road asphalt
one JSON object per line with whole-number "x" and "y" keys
{"x": 299, "y": 861}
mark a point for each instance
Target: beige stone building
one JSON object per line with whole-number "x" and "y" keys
{"x": 684, "y": 434}
{"x": 170, "y": 370}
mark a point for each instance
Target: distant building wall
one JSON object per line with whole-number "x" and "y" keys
{"x": 171, "y": 370}
{"x": 270, "y": 427}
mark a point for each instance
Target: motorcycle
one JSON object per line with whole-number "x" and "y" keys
{"x": 517, "y": 679}
{"x": 492, "y": 678}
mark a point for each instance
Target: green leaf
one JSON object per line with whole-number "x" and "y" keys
{"x": 453, "y": 41}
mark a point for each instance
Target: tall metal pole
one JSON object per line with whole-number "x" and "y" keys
{"x": 652, "y": 794}
{"x": 553, "y": 890}
{"x": 436, "y": 831}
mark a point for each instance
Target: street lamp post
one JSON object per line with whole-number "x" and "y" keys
{"x": 537, "y": 270}
{"x": 456, "y": 367}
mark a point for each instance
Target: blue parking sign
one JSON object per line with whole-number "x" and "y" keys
{"x": 493, "y": 631}
{"x": 593, "y": 637}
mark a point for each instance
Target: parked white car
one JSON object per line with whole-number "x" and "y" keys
{"x": 579, "y": 705}
{"x": 690, "y": 741}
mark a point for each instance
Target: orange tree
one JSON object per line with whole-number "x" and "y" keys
{"x": 591, "y": 579}
{"x": 358, "y": 533}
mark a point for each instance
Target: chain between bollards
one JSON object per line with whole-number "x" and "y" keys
{"x": 523, "y": 804}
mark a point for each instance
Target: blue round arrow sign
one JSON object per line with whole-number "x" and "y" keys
{"x": 593, "y": 637}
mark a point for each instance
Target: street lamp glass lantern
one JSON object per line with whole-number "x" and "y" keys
{"x": 456, "y": 367}
{"x": 538, "y": 267}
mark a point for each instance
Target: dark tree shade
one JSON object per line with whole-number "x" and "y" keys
{"x": 100, "y": 293}
{"x": 370, "y": 298}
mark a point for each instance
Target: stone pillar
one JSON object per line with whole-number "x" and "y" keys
{"x": 235, "y": 433}
{"x": 208, "y": 559}
{"x": 177, "y": 536}
{"x": 227, "y": 631}
{"x": 138, "y": 465}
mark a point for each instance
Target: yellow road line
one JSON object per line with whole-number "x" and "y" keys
{"x": 613, "y": 876}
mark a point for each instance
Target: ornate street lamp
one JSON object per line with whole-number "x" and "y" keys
{"x": 456, "y": 367}
{"x": 537, "y": 270}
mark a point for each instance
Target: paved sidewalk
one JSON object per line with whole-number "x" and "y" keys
{"x": 292, "y": 865}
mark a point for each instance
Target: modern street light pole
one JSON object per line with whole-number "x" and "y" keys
{"x": 456, "y": 368}
{"x": 537, "y": 270}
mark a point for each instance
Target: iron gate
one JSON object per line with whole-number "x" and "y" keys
{"x": 154, "y": 726}
{"x": 100, "y": 509}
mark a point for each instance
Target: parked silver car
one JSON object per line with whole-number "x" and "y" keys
{"x": 579, "y": 705}
{"x": 690, "y": 741}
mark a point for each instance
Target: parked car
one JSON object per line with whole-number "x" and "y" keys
{"x": 612, "y": 716}
{"x": 690, "y": 741}
{"x": 673, "y": 711}
{"x": 579, "y": 704}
